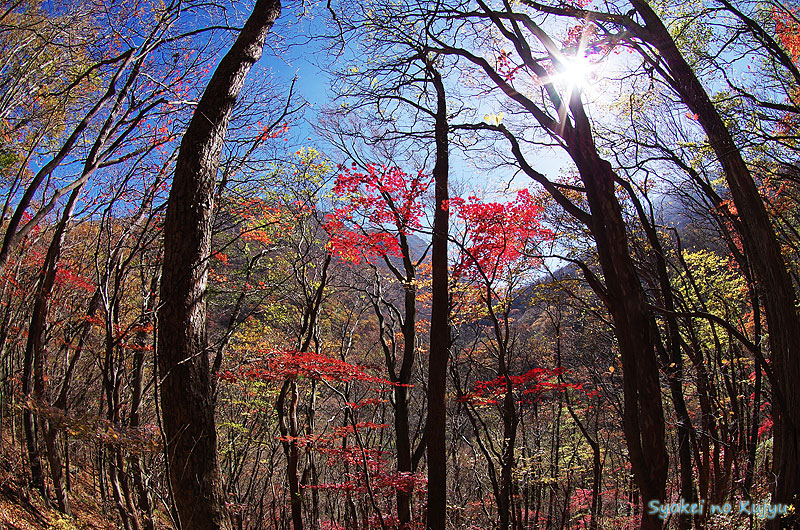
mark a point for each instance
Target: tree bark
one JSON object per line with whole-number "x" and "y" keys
{"x": 436, "y": 420}
{"x": 402, "y": 430}
{"x": 34, "y": 354}
{"x": 141, "y": 343}
{"x": 623, "y": 293}
{"x": 643, "y": 413}
{"x": 763, "y": 251}
{"x": 401, "y": 421}
{"x": 183, "y": 365}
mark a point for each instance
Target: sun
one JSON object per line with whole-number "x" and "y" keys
{"x": 576, "y": 73}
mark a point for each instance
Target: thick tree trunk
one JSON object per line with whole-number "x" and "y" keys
{"x": 763, "y": 251}
{"x": 186, "y": 390}
{"x": 643, "y": 413}
{"x": 672, "y": 357}
{"x": 436, "y": 420}
{"x": 623, "y": 294}
{"x": 56, "y": 465}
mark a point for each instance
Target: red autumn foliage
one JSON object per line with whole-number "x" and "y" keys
{"x": 383, "y": 483}
{"x": 379, "y": 205}
{"x": 530, "y": 386}
{"x": 505, "y": 67}
{"x": 66, "y": 278}
{"x": 260, "y": 221}
{"x": 787, "y": 30}
{"x": 282, "y": 365}
{"x": 496, "y": 234}
{"x": 365, "y": 402}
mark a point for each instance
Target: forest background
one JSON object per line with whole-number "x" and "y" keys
{"x": 481, "y": 264}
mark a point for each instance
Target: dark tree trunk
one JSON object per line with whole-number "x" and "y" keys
{"x": 401, "y": 420}
{"x": 672, "y": 358}
{"x": 296, "y": 497}
{"x": 141, "y": 344}
{"x": 183, "y": 365}
{"x": 623, "y": 293}
{"x": 643, "y": 413}
{"x": 34, "y": 353}
{"x": 30, "y": 428}
{"x": 436, "y": 420}
{"x": 510, "y": 422}
{"x": 763, "y": 251}
{"x": 402, "y": 429}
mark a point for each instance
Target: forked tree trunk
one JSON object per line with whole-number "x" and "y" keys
{"x": 763, "y": 251}
{"x": 643, "y": 413}
{"x": 183, "y": 365}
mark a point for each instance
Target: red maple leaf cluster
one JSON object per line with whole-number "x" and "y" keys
{"x": 788, "y": 30}
{"x": 282, "y": 365}
{"x": 379, "y": 205}
{"x": 496, "y": 234}
{"x": 530, "y": 386}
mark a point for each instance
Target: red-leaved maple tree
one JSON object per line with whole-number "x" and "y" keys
{"x": 379, "y": 205}
{"x": 497, "y": 235}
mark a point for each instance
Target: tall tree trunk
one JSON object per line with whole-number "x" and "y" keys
{"x": 672, "y": 358}
{"x": 403, "y": 378}
{"x": 623, "y": 293}
{"x": 141, "y": 344}
{"x": 30, "y": 428}
{"x": 643, "y": 413}
{"x": 183, "y": 365}
{"x": 763, "y": 251}
{"x": 403, "y": 444}
{"x": 34, "y": 352}
{"x": 510, "y": 422}
{"x": 436, "y": 420}
{"x": 296, "y": 499}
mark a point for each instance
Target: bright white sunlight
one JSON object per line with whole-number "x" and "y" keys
{"x": 577, "y": 72}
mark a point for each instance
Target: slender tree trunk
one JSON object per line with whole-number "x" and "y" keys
{"x": 754, "y": 425}
{"x": 111, "y": 385}
{"x": 436, "y": 421}
{"x": 34, "y": 353}
{"x": 403, "y": 443}
{"x": 5, "y": 381}
{"x": 30, "y": 428}
{"x": 129, "y": 521}
{"x": 141, "y": 344}
{"x": 183, "y": 365}
{"x": 296, "y": 499}
{"x": 510, "y": 421}
{"x": 672, "y": 358}
{"x": 401, "y": 412}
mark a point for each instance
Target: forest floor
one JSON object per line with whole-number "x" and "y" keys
{"x": 23, "y": 509}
